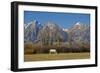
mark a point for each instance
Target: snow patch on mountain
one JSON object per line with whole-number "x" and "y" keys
{"x": 66, "y": 30}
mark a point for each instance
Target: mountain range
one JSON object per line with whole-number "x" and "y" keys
{"x": 50, "y": 32}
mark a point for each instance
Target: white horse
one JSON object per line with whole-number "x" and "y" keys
{"x": 52, "y": 51}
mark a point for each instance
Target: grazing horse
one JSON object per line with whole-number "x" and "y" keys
{"x": 52, "y": 51}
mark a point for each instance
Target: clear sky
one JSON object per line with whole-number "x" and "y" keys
{"x": 63, "y": 20}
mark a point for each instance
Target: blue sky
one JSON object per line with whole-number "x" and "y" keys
{"x": 63, "y": 20}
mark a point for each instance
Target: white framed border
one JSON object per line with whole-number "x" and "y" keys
{"x": 22, "y": 64}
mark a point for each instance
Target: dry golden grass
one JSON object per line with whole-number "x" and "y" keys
{"x": 61, "y": 56}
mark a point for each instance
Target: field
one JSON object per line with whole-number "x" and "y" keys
{"x": 60, "y": 56}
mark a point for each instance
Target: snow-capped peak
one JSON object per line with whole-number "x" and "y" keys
{"x": 30, "y": 23}
{"x": 78, "y": 23}
{"x": 51, "y": 25}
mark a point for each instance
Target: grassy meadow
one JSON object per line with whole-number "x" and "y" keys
{"x": 60, "y": 56}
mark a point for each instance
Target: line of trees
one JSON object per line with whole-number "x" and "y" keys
{"x": 30, "y": 48}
